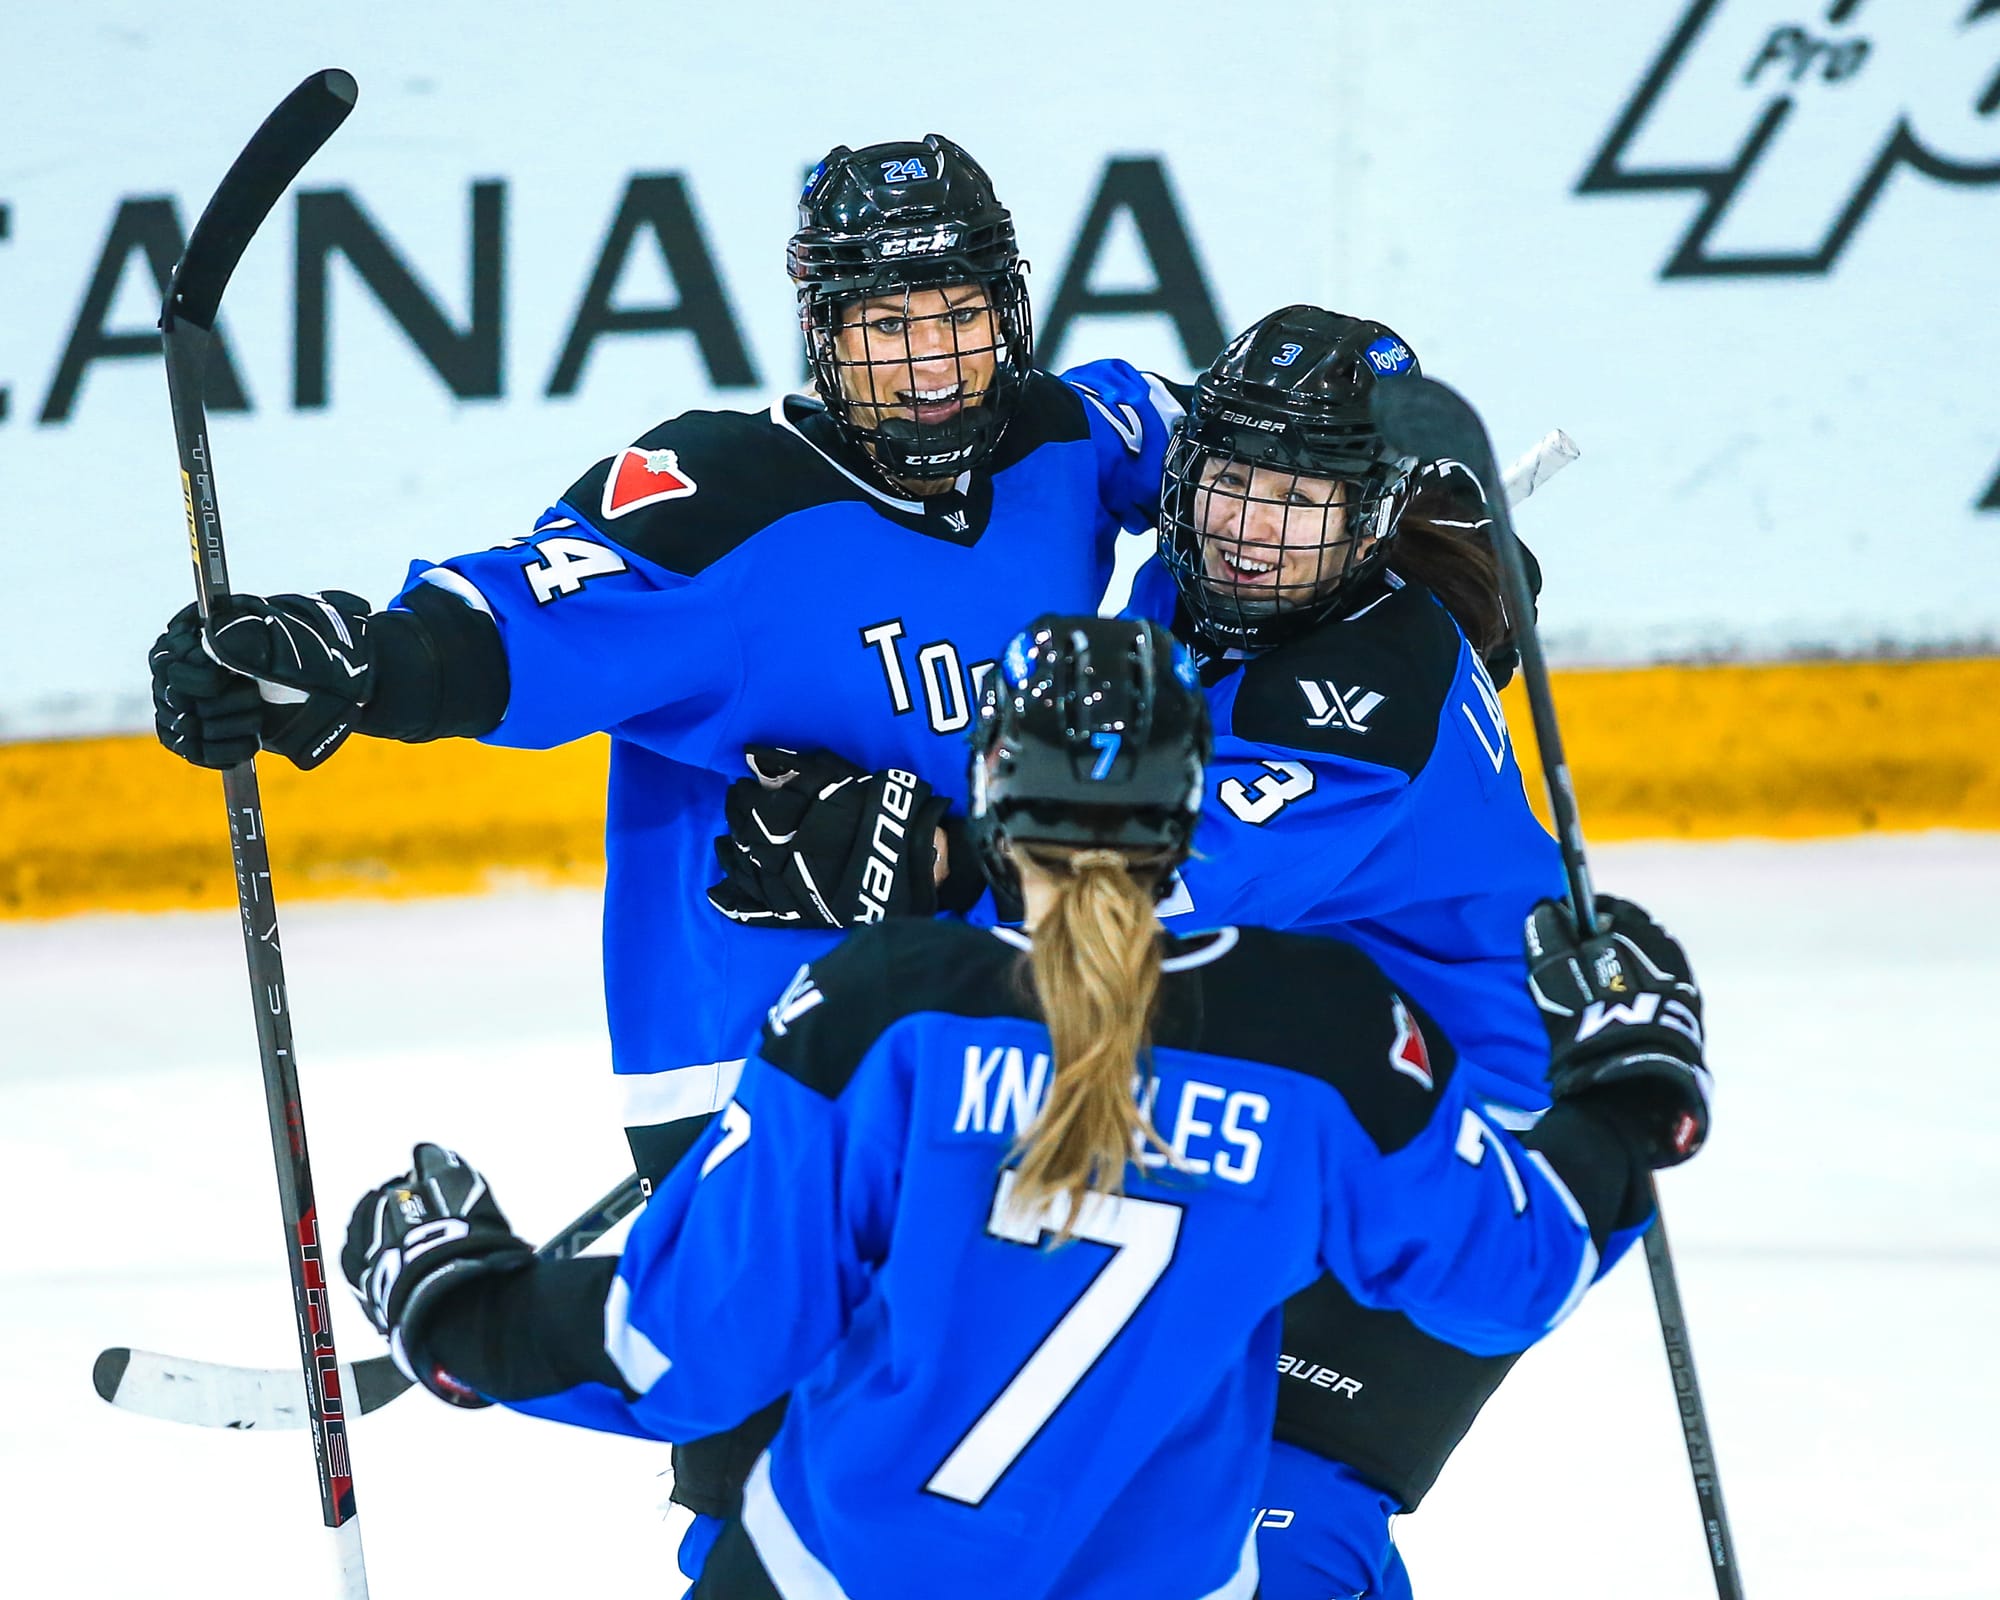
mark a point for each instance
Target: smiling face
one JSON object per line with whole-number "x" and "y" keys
{"x": 917, "y": 360}
{"x": 1272, "y": 539}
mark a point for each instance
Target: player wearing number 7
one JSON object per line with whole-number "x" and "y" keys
{"x": 1347, "y": 624}
{"x": 1011, "y": 1215}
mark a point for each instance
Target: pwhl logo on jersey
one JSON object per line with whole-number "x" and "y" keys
{"x": 1330, "y": 706}
{"x": 1788, "y": 120}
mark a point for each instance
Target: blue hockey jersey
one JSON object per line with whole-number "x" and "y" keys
{"x": 975, "y": 1414}
{"x": 726, "y": 581}
{"x": 1364, "y": 785}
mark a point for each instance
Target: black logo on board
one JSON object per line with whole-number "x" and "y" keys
{"x": 1830, "y": 105}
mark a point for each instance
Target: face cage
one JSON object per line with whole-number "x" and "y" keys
{"x": 904, "y": 449}
{"x": 1202, "y": 524}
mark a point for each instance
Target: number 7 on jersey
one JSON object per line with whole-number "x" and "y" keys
{"x": 1142, "y": 1234}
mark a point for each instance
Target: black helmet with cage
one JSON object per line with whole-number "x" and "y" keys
{"x": 885, "y": 221}
{"x": 1280, "y": 495}
{"x": 1092, "y": 732}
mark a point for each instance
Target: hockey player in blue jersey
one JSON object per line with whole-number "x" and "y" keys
{"x": 1365, "y": 786}
{"x": 1343, "y": 605}
{"x": 1057, "y": 1185}
{"x": 852, "y": 562}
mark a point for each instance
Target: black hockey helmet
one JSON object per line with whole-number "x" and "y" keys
{"x": 1278, "y": 440}
{"x": 1092, "y": 731}
{"x": 885, "y": 220}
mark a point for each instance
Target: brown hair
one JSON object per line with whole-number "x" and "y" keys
{"x": 1442, "y": 542}
{"x": 1096, "y": 975}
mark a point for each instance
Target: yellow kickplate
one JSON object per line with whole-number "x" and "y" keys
{"x": 1788, "y": 750}
{"x": 121, "y": 825}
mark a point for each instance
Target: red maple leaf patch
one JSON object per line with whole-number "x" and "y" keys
{"x": 643, "y": 478}
{"x": 1409, "y": 1055}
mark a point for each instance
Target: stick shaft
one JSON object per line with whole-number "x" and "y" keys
{"x": 1693, "y": 1414}
{"x": 1520, "y": 596}
{"x": 1427, "y": 419}
{"x": 1583, "y": 900}
{"x": 187, "y": 347}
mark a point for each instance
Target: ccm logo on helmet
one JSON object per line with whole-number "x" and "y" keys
{"x": 921, "y": 244}
{"x": 878, "y": 872}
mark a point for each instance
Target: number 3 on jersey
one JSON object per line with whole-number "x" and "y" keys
{"x": 1259, "y": 802}
{"x": 1141, "y": 1234}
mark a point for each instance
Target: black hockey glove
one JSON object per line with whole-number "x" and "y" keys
{"x": 815, "y": 841}
{"x": 1505, "y": 659}
{"x": 312, "y": 659}
{"x": 201, "y": 711}
{"x": 1624, "y": 1020}
{"x": 414, "y": 1238}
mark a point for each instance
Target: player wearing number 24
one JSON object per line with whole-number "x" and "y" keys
{"x": 1011, "y": 1214}
{"x": 843, "y": 560}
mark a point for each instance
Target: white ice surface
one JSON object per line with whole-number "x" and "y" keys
{"x": 1839, "y": 1250}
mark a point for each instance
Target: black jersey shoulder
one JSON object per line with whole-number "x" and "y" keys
{"x": 1369, "y": 686}
{"x": 829, "y": 1018}
{"x": 1048, "y": 412}
{"x": 1323, "y": 1008}
{"x": 721, "y": 476}
{"x": 1311, "y": 1005}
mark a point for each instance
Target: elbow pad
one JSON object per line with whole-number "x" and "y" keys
{"x": 440, "y": 670}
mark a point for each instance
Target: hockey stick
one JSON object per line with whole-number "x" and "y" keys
{"x": 1555, "y": 451}
{"x": 1425, "y": 418}
{"x": 209, "y": 1395}
{"x": 276, "y": 154}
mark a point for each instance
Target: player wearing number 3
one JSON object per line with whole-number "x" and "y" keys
{"x": 1011, "y": 1214}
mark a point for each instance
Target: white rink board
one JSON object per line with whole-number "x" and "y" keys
{"x": 1773, "y": 464}
{"x": 1838, "y": 1247}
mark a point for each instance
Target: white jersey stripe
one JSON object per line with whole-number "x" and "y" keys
{"x": 636, "y": 1357}
{"x": 652, "y": 1098}
{"x": 796, "y": 1573}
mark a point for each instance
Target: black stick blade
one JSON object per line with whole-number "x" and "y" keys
{"x": 1432, "y": 421}
{"x": 376, "y": 1383}
{"x": 276, "y": 154}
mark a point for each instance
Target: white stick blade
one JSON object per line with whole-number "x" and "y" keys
{"x": 205, "y": 1395}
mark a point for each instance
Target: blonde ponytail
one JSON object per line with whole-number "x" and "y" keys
{"x": 1096, "y": 970}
